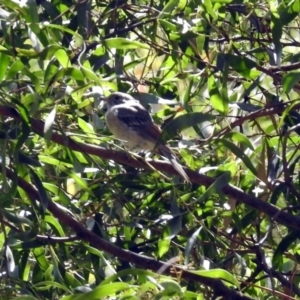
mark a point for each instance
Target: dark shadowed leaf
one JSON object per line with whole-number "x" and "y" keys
{"x": 190, "y": 244}
{"x": 243, "y": 65}
{"x": 247, "y": 106}
{"x": 282, "y": 247}
{"x": 42, "y": 192}
{"x": 290, "y": 80}
{"x": 183, "y": 122}
{"x": 216, "y": 187}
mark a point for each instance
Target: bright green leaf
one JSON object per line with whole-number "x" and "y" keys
{"x": 220, "y": 274}
{"x": 218, "y": 102}
{"x": 122, "y": 43}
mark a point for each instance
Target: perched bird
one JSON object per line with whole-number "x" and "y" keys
{"x": 130, "y": 122}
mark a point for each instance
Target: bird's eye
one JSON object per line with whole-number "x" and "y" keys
{"x": 117, "y": 98}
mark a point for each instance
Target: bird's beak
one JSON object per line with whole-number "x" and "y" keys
{"x": 103, "y": 98}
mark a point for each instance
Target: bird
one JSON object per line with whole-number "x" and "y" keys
{"x": 130, "y": 122}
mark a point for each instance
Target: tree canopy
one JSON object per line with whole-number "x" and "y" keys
{"x": 82, "y": 218}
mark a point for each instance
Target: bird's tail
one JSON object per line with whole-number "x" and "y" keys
{"x": 167, "y": 153}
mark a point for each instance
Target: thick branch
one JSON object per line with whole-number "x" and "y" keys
{"x": 142, "y": 261}
{"x": 272, "y": 211}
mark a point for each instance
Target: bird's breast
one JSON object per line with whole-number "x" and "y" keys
{"x": 132, "y": 138}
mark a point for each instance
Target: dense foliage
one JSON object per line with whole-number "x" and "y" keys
{"x": 81, "y": 218}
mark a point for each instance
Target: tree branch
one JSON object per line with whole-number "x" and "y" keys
{"x": 272, "y": 211}
{"x": 142, "y": 261}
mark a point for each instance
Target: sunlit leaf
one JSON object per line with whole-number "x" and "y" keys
{"x": 9, "y": 259}
{"x": 122, "y": 43}
{"x": 238, "y": 152}
{"x": 209, "y": 8}
{"x": 4, "y": 62}
{"x": 218, "y": 102}
{"x": 163, "y": 246}
{"x": 169, "y": 8}
{"x": 49, "y": 123}
{"x": 220, "y": 274}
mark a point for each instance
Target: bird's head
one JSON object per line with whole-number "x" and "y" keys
{"x": 118, "y": 98}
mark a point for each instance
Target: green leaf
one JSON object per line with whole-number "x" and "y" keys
{"x": 282, "y": 247}
{"x": 16, "y": 67}
{"x": 163, "y": 246}
{"x": 220, "y": 274}
{"x": 85, "y": 127}
{"x": 62, "y": 29}
{"x": 214, "y": 188}
{"x": 190, "y": 245}
{"x": 242, "y": 65}
{"x": 209, "y": 8}
{"x": 48, "y": 52}
{"x": 139, "y": 273}
{"x": 101, "y": 291}
{"x": 169, "y": 288}
{"x": 55, "y": 225}
{"x": 238, "y": 152}
{"x": 168, "y": 26}
{"x": 63, "y": 58}
{"x": 37, "y": 84}
{"x": 39, "y": 254}
{"x": 4, "y": 62}
{"x": 240, "y": 138}
{"x": 200, "y": 41}
{"x": 16, "y": 219}
{"x": 168, "y": 9}
{"x": 44, "y": 200}
{"x": 218, "y": 102}
{"x": 5, "y": 51}
{"x": 123, "y": 43}
{"x": 80, "y": 182}
{"x": 46, "y": 285}
{"x": 290, "y": 80}
{"x": 89, "y": 74}
{"x": 59, "y": 192}
{"x": 290, "y": 12}
{"x": 276, "y": 28}
{"x": 50, "y": 73}
{"x": 28, "y": 297}
{"x": 49, "y": 122}
{"x": 183, "y": 122}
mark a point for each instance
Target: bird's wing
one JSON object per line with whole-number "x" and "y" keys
{"x": 136, "y": 117}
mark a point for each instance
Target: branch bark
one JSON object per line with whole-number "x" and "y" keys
{"x": 145, "y": 262}
{"x": 270, "y": 210}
